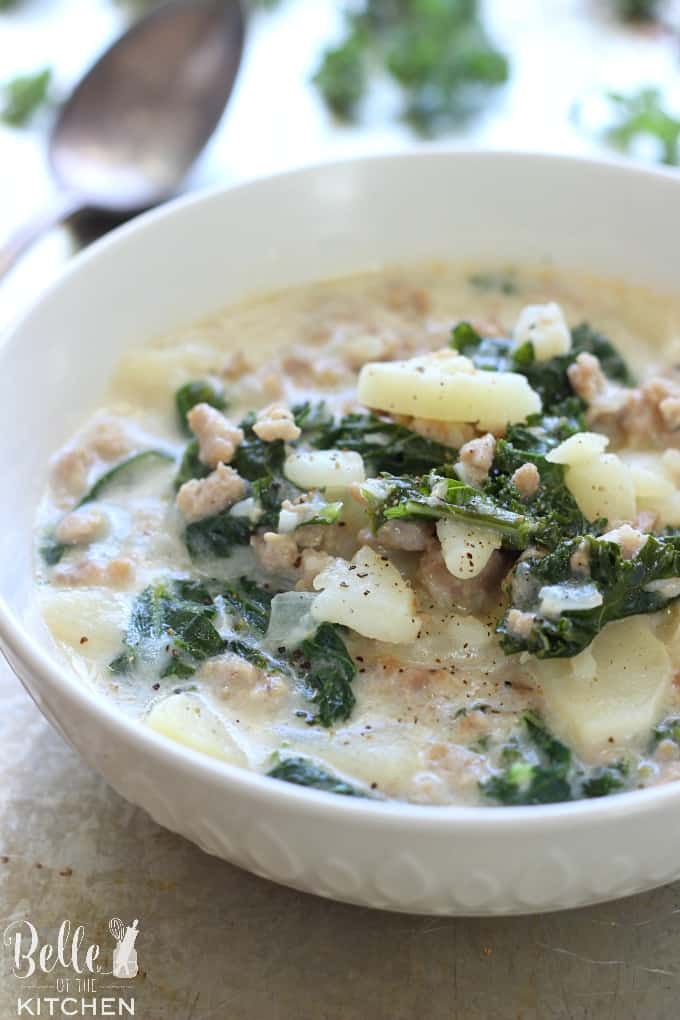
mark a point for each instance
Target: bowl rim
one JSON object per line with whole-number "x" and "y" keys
{"x": 428, "y": 818}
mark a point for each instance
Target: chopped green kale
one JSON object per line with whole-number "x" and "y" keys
{"x": 627, "y": 587}
{"x": 552, "y": 508}
{"x": 305, "y": 772}
{"x": 126, "y": 472}
{"x": 539, "y": 769}
{"x": 249, "y": 605}
{"x": 23, "y": 96}
{"x": 191, "y": 465}
{"x": 170, "y": 623}
{"x": 199, "y": 391}
{"x": 549, "y": 378}
{"x": 218, "y": 535}
{"x": 254, "y": 457}
{"x": 385, "y": 446}
{"x": 259, "y": 463}
{"x": 321, "y": 664}
{"x": 329, "y": 670}
{"x": 436, "y": 497}
{"x": 489, "y": 353}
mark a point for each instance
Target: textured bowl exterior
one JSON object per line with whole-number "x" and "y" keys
{"x": 179, "y": 263}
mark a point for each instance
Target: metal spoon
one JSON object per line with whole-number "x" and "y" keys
{"x": 132, "y": 128}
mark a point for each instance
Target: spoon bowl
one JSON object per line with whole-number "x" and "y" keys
{"x": 138, "y": 119}
{"x": 131, "y": 129}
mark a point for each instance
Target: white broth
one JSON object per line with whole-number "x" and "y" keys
{"x": 497, "y": 626}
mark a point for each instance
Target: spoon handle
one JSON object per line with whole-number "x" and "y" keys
{"x": 59, "y": 208}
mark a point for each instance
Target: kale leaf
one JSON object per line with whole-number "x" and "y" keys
{"x": 172, "y": 628}
{"x": 254, "y": 457}
{"x": 258, "y": 462}
{"x": 249, "y": 604}
{"x": 436, "y": 497}
{"x": 553, "y": 508}
{"x": 218, "y": 535}
{"x": 191, "y": 465}
{"x": 549, "y": 378}
{"x": 170, "y": 622}
{"x": 385, "y": 445}
{"x": 125, "y": 472}
{"x": 540, "y": 770}
{"x": 198, "y": 391}
{"x": 328, "y": 670}
{"x": 321, "y": 663}
{"x": 304, "y": 772}
{"x": 627, "y": 587}
{"x": 489, "y": 353}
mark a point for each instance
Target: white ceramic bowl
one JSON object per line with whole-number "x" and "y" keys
{"x": 179, "y": 263}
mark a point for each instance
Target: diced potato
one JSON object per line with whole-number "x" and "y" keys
{"x": 603, "y": 487}
{"x": 443, "y": 638}
{"x": 187, "y": 719}
{"x": 97, "y": 616}
{"x": 466, "y": 549}
{"x": 389, "y": 758}
{"x": 446, "y": 387}
{"x": 546, "y": 328}
{"x": 579, "y": 449}
{"x": 369, "y": 595}
{"x": 652, "y": 489}
{"x": 149, "y": 376}
{"x": 321, "y": 469}
{"x": 614, "y": 691}
{"x": 655, "y": 482}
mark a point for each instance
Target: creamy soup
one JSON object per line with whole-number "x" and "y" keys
{"x": 413, "y": 534}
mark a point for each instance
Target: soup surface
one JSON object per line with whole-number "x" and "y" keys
{"x": 413, "y": 534}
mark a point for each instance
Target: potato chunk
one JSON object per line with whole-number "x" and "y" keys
{"x": 466, "y": 549}
{"x": 545, "y": 327}
{"x": 369, "y": 595}
{"x": 90, "y": 621}
{"x": 579, "y": 449}
{"x": 187, "y": 719}
{"x": 614, "y": 691}
{"x": 603, "y": 487}
{"x": 322, "y": 469}
{"x": 446, "y": 387}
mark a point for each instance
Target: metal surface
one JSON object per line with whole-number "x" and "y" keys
{"x": 216, "y": 942}
{"x": 133, "y": 126}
